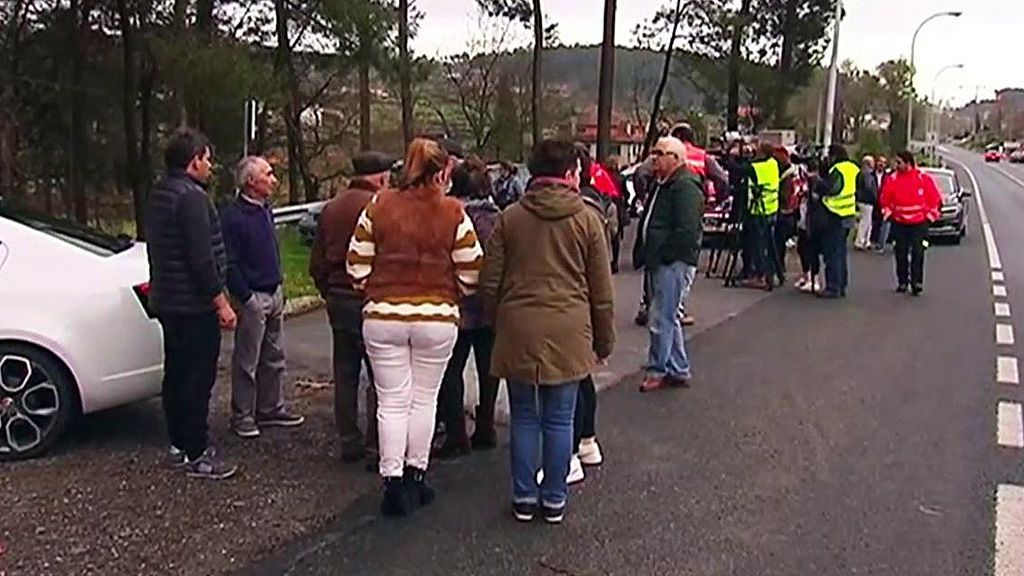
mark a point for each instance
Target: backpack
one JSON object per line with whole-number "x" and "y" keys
{"x": 604, "y": 208}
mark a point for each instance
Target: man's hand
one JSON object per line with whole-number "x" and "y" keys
{"x": 225, "y": 314}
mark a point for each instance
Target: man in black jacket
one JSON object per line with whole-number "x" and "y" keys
{"x": 668, "y": 247}
{"x": 187, "y": 266}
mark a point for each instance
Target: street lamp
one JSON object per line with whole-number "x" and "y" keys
{"x": 935, "y": 80}
{"x": 913, "y": 47}
{"x": 936, "y": 109}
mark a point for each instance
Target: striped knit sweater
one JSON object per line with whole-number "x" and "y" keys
{"x": 415, "y": 253}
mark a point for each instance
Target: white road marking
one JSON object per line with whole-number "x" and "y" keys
{"x": 1009, "y": 530}
{"x": 998, "y": 277}
{"x": 994, "y": 261}
{"x": 1006, "y": 370}
{"x": 1002, "y": 310}
{"x": 1011, "y": 425}
{"x": 1004, "y": 334}
{"x": 1013, "y": 178}
{"x": 999, "y": 291}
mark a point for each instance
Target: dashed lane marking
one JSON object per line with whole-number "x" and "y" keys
{"x": 1004, "y": 334}
{"x": 1009, "y": 530}
{"x": 1002, "y": 309}
{"x": 1011, "y": 425}
{"x": 1006, "y": 370}
{"x": 998, "y": 277}
{"x": 999, "y": 291}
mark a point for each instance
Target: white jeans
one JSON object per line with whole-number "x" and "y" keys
{"x": 408, "y": 360}
{"x": 864, "y": 226}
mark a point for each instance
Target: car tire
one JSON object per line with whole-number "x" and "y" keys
{"x": 37, "y": 401}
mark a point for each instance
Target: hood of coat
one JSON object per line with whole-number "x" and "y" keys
{"x": 552, "y": 199}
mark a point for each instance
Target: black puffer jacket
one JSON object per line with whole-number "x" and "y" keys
{"x": 187, "y": 259}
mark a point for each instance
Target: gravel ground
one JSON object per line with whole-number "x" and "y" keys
{"x": 103, "y": 504}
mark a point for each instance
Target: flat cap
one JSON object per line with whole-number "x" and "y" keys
{"x": 367, "y": 163}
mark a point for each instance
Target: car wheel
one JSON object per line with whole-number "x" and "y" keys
{"x": 36, "y": 401}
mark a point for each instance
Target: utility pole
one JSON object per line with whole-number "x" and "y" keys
{"x": 833, "y": 77}
{"x": 607, "y": 84}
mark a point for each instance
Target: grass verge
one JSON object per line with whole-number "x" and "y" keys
{"x": 295, "y": 263}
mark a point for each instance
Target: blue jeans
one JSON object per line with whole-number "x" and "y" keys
{"x": 834, "y": 245}
{"x": 541, "y": 412}
{"x": 667, "y": 353}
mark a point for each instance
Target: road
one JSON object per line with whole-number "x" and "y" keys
{"x": 865, "y": 436}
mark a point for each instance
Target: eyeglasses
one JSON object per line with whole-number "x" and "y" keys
{"x": 656, "y": 153}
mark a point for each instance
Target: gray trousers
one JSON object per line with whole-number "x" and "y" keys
{"x": 258, "y": 362}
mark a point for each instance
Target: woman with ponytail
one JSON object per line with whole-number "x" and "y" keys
{"x": 415, "y": 254}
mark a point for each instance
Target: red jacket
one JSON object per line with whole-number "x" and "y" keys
{"x": 697, "y": 160}
{"x": 911, "y": 197}
{"x": 603, "y": 181}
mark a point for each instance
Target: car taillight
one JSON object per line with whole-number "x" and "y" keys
{"x": 142, "y": 293}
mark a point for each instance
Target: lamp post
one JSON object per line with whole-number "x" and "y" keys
{"x": 935, "y": 81}
{"x": 913, "y": 47}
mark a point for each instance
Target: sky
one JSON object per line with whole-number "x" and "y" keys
{"x": 988, "y": 39}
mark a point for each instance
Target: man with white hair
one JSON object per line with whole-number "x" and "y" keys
{"x": 254, "y": 282}
{"x": 867, "y": 199}
{"x": 668, "y": 247}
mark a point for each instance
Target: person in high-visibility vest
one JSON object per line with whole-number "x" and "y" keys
{"x": 762, "y": 208}
{"x": 841, "y": 210}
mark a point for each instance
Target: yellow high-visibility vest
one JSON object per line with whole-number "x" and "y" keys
{"x": 768, "y": 181}
{"x": 844, "y": 204}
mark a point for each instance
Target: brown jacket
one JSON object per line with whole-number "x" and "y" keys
{"x": 337, "y": 224}
{"x": 547, "y": 285}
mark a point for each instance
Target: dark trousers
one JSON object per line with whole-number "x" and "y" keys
{"x": 191, "y": 349}
{"x": 785, "y": 228}
{"x": 809, "y": 249}
{"x": 834, "y": 246}
{"x": 585, "y": 419}
{"x": 453, "y": 384}
{"x": 760, "y": 258}
{"x": 910, "y": 252}
{"x": 345, "y": 313}
{"x": 616, "y": 248}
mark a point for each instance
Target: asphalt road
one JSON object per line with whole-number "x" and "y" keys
{"x": 820, "y": 437}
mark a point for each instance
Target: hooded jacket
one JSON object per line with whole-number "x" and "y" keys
{"x": 547, "y": 285}
{"x": 911, "y": 198}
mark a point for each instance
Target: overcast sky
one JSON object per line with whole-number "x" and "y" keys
{"x": 988, "y": 39}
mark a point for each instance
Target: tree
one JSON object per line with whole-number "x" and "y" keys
{"x": 529, "y": 13}
{"x": 81, "y": 11}
{"x": 664, "y": 19}
{"x": 606, "y": 88}
{"x": 405, "y": 71}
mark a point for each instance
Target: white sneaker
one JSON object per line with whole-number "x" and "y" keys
{"x": 576, "y": 473}
{"x": 590, "y": 452}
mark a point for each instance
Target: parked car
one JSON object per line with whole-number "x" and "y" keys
{"x": 993, "y": 156}
{"x": 76, "y": 334}
{"x": 1017, "y": 156}
{"x": 309, "y": 223}
{"x": 953, "y": 221}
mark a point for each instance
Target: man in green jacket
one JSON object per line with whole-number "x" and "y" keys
{"x": 667, "y": 247}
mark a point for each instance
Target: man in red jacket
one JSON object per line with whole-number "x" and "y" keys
{"x": 912, "y": 201}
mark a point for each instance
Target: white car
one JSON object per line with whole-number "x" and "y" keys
{"x": 75, "y": 333}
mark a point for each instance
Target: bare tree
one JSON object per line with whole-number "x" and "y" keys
{"x": 404, "y": 71}
{"x": 606, "y": 90}
{"x": 673, "y": 18}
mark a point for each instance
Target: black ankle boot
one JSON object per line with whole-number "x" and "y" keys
{"x": 416, "y": 486}
{"x": 398, "y": 501}
{"x": 484, "y": 437}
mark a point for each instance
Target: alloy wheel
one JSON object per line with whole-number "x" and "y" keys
{"x": 30, "y": 404}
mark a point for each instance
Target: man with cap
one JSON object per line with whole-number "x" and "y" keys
{"x": 345, "y": 304}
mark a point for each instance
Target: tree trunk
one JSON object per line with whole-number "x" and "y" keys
{"x": 178, "y": 31}
{"x": 299, "y": 178}
{"x": 789, "y": 23}
{"x": 81, "y": 10}
{"x": 606, "y": 91}
{"x": 537, "y": 85}
{"x": 652, "y": 126}
{"x": 145, "y": 172}
{"x": 405, "y": 72}
{"x": 129, "y": 92}
{"x": 735, "y": 60}
{"x": 364, "y": 103}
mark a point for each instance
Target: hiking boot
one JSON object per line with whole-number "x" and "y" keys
{"x": 245, "y": 429}
{"x": 210, "y": 467}
{"x": 397, "y": 501}
{"x": 420, "y": 493}
{"x": 283, "y": 419}
{"x": 590, "y": 452}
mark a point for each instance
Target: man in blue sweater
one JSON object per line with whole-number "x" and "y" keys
{"x": 254, "y": 281}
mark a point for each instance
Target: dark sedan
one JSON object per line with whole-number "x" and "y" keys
{"x": 953, "y": 221}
